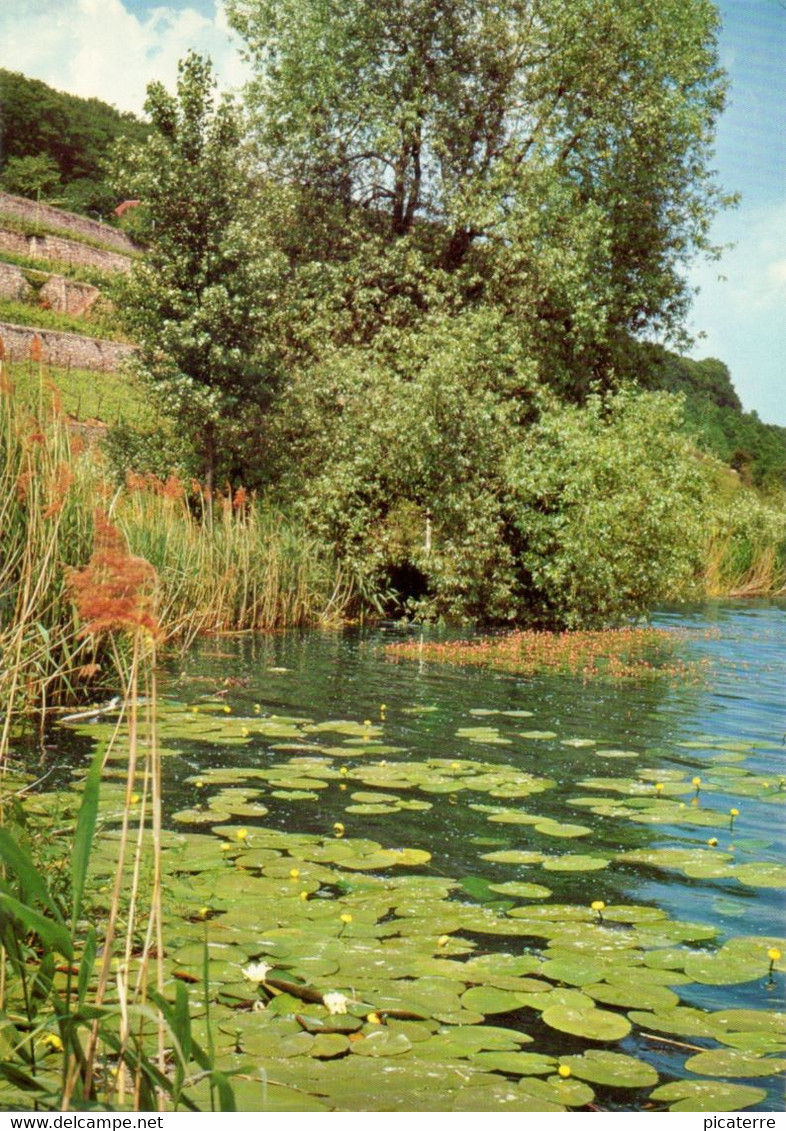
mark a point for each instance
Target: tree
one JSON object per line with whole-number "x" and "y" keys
{"x": 34, "y": 177}
{"x": 198, "y": 303}
{"x": 74, "y": 134}
{"x": 551, "y": 156}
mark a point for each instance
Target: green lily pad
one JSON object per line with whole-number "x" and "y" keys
{"x": 513, "y": 856}
{"x": 707, "y": 1095}
{"x": 726, "y": 967}
{"x": 732, "y": 1062}
{"x": 382, "y": 1043}
{"x": 575, "y": 862}
{"x": 595, "y": 1024}
{"x": 611, "y": 1069}
{"x": 514, "y": 1063}
{"x": 521, "y": 890}
{"x": 765, "y": 875}
{"x": 489, "y": 1000}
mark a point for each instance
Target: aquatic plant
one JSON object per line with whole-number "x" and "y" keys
{"x": 627, "y": 653}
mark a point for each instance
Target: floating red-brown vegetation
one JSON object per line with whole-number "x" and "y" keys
{"x": 623, "y": 653}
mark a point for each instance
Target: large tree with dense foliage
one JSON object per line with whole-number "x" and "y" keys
{"x": 198, "y": 303}
{"x": 548, "y": 156}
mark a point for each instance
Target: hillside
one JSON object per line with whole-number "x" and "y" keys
{"x": 56, "y": 145}
{"x": 714, "y": 413}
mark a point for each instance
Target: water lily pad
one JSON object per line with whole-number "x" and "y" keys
{"x": 595, "y": 1024}
{"x": 575, "y": 862}
{"x": 489, "y": 1000}
{"x": 765, "y": 874}
{"x": 726, "y": 967}
{"x": 707, "y": 1095}
{"x": 573, "y": 969}
{"x": 538, "y": 734}
{"x": 732, "y": 1062}
{"x": 513, "y": 856}
{"x": 632, "y": 995}
{"x": 382, "y": 1043}
{"x": 611, "y": 1069}
{"x": 514, "y": 1063}
{"x": 326, "y": 1046}
{"x": 521, "y": 890}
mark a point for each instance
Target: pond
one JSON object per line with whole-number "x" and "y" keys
{"x": 423, "y": 845}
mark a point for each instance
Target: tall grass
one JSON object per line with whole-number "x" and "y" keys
{"x": 746, "y": 547}
{"x": 246, "y": 568}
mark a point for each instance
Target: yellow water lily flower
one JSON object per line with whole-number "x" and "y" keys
{"x": 373, "y": 1019}
{"x": 597, "y": 905}
{"x": 294, "y": 873}
{"x": 51, "y": 1041}
{"x": 346, "y": 917}
{"x": 241, "y": 834}
{"x": 338, "y": 829}
{"x": 773, "y": 954}
{"x": 227, "y": 709}
{"x": 443, "y": 940}
{"x": 564, "y": 1071}
{"x": 712, "y": 842}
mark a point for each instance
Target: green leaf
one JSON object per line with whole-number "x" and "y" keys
{"x": 53, "y": 935}
{"x": 32, "y": 884}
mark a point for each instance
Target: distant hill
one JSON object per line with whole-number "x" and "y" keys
{"x": 55, "y": 145}
{"x": 714, "y": 413}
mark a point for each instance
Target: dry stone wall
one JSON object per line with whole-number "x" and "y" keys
{"x": 36, "y": 213}
{"x": 54, "y": 347}
{"x": 58, "y": 293}
{"x": 61, "y": 250}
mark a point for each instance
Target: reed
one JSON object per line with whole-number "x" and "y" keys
{"x": 247, "y": 568}
{"x": 746, "y": 548}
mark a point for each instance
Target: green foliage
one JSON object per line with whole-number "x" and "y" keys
{"x": 553, "y": 162}
{"x": 374, "y": 441}
{"x": 98, "y": 322}
{"x": 84, "y": 394}
{"x": 610, "y": 503}
{"x": 714, "y": 415}
{"x": 198, "y": 304}
{"x": 441, "y": 473}
{"x": 56, "y": 142}
{"x": 34, "y": 176}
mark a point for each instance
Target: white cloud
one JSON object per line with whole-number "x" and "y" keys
{"x": 97, "y": 48}
{"x": 740, "y": 307}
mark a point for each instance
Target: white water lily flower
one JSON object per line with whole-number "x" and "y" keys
{"x": 257, "y": 971}
{"x": 336, "y": 1003}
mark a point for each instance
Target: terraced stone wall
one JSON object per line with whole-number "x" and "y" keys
{"x": 62, "y": 250}
{"x": 37, "y": 213}
{"x": 58, "y": 348}
{"x": 58, "y": 293}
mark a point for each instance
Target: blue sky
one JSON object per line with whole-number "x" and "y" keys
{"x": 111, "y": 49}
